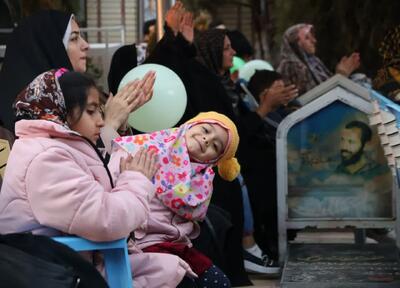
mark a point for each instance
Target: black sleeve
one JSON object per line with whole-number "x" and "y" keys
{"x": 172, "y": 51}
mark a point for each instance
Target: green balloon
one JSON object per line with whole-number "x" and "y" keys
{"x": 237, "y": 64}
{"x": 168, "y": 103}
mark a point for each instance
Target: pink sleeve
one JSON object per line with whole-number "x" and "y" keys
{"x": 64, "y": 196}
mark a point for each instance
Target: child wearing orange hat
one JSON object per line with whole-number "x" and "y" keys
{"x": 183, "y": 185}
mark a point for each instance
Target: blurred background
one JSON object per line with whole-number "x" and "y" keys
{"x": 341, "y": 26}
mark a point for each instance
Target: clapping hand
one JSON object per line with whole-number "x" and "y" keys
{"x": 348, "y": 64}
{"x": 131, "y": 97}
{"x": 186, "y": 27}
{"x": 174, "y": 16}
{"x": 276, "y": 95}
{"x": 144, "y": 161}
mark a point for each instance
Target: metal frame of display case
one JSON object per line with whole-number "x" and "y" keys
{"x": 338, "y": 88}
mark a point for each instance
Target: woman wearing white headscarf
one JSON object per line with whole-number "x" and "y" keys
{"x": 300, "y": 66}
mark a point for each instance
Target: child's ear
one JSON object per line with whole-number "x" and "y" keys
{"x": 72, "y": 117}
{"x": 69, "y": 120}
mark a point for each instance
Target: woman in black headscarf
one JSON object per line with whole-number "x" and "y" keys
{"x": 51, "y": 39}
{"x": 35, "y": 46}
{"x": 177, "y": 51}
{"x": 215, "y": 52}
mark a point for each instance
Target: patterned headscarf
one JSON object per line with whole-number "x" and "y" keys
{"x": 296, "y": 66}
{"x": 42, "y": 99}
{"x": 390, "y": 47}
{"x": 181, "y": 185}
{"x": 387, "y": 80}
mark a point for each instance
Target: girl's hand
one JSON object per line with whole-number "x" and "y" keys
{"x": 118, "y": 107}
{"x": 132, "y": 96}
{"x": 144, "y": 161}
{"x": 147, "y": 87}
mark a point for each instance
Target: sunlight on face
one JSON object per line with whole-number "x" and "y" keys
{"x": 206, "y": 142}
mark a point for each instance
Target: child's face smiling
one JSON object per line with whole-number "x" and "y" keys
{"x": 206, "y": 141}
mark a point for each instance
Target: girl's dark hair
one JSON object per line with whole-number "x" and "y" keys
{"x": 75, "y": 88}
{"x": 261, "y": 80}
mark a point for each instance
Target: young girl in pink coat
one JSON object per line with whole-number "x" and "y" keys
{"x": 56, "y": 181}
{"x": 184, "y": 186}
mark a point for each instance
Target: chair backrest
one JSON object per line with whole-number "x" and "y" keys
{"x": 4, "y": 152}
{"x": 118, "y": 269}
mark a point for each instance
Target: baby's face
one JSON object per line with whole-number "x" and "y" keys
{"x": 206, "y": 141}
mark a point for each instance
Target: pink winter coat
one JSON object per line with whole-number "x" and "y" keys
{"x": 163, "y": 225}
{"x": 56, "y": 183}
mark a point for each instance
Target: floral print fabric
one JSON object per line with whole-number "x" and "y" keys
{"x": 43, "y": 99}
{"x": 183, "y": 186}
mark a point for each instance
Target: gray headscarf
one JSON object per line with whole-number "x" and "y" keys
{"x": 298, "y": 67}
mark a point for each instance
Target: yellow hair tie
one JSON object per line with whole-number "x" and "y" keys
{"x": 229, "y": 169}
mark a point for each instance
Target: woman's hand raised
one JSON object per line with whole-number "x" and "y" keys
{"x": 186, "y": 27}
{"x": 174, "y": 16}
{"x": 347, "y": 65}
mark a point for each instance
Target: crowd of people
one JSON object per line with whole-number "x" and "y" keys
{"x": 194, "y": 215}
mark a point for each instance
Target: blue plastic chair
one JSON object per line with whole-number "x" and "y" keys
{"x": 116, "y": 258}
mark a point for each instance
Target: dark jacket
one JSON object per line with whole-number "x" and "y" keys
{"x": 35, "y": 46}
{"x": 37, "y": 261}
{"x": 206, "y": 93}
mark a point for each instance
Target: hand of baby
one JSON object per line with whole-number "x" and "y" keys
{"x": 189, "y": 271}
{"x": 144, "y": 161}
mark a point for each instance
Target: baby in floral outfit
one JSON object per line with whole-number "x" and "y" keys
{"x": 183, "y": 184}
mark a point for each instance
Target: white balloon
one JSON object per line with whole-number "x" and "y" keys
{"x": 248, "y": 69}
{"x": 166, "y": 107}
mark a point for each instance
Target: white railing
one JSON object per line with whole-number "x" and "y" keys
{"x": 101, "y": 52}
{"x": 106, "y": 30}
